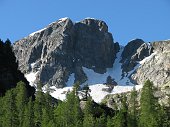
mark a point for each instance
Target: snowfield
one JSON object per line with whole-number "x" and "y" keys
{"x": 95, "y": 80}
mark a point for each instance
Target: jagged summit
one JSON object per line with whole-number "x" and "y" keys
{"x": 65, "y": 52}
{"x": 63, "y": 48}
{"x": 62, "y": 20}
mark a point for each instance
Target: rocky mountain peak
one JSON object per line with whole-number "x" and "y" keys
{"x": 97, "y": 24}
{"x": 65, "y": 52}
{"x": 63, "y": 48}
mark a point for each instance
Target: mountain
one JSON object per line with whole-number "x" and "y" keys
{"x": 66, "y": 52}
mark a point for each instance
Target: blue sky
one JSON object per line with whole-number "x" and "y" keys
{"x": 127, "y": 19}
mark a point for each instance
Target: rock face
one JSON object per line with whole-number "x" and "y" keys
{"x": 136, "y": 50}
{"x": 157, "y": 67}
{"x": 62, "y": 48}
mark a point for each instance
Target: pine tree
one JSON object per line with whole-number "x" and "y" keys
{"x": 109, "y": 122}
{"x": 101, "y": 121}
{"x": 21, "y": 100}
{"x": 132, "y": 116}
{"x": 89, "y": 120}
{"x": 10, "y": 58}
{"x": 29, "y": 114}
{"x": 163, "y": 117}
{"x": 148, "y": 112}
{"x": 38, "y": 105}
{"x": 68, "y": 113}
{"x": 121, "y": 117}
{"x": 60, "y": 114}
{"x": 10, "y": 118}
{"x": 73, "y": 108}
{"x": 47, "y": 111}
{"x": 85, "y": 92}
{"x": 1, "y": 111}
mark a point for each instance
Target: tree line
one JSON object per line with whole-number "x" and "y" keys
{"x": 19, "y": 110}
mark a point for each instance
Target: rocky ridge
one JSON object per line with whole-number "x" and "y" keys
{"x": 65, "y": 52}
{"x": 63, "y": 48}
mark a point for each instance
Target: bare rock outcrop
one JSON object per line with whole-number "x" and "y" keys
{"x": 63, "y": 48}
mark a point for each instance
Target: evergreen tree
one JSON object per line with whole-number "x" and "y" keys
{"x": 60, "y": 114}
{"x": 149, "y": 104}
{"x": 10, "y": 118}
{"x": 109, "y": 122}
{"x": 1, "y": 48}
{"x": 1, "y": 111}
{"x": 132, "y": 117}
{"x": 89, "y": 120}
{"x": 29, "y": 115}
{"x": 85, "y": 92}
{"x": 68, "y": 113}
{"x": 101, "y": 121}
{"x": 21, "y": 100}
{"x": 10, "y": 58}
{"x": 38, "y": 105}
{"x": 47, "y": 111}
{"x": 163, "y": 117}
{"x": 121, "y": 117}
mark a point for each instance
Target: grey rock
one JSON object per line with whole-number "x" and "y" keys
{"x": 135, "y": 51}
{"x": 94, "y": 45}
{"x": 63, "y": 48}
{"x": 157, "y": 68}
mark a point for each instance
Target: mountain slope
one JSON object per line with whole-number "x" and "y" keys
{"x": 66, "y": 52}
{"x": 63, "y": 48}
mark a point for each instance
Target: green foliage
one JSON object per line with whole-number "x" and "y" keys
{"x": 47, "y": 111}
{"x": 149, "y": 104}
{"x": 21, "y": 101}
{"x": 19, "y": 111}
{"x": 109, "y": 122}
{"x": 120, "y": 119}
{"x": 132, "y": 111}
{"x": 101, "y": 121}
{"x": 89, "y": 121}
{"x": 86, "y": 92}
{"x": 38, "y": 105}
{"x": 1, "y": 111}
{"x": 29, "y": 114}
{"x": 10, "y": 118}
{"x": 68, "y": 113}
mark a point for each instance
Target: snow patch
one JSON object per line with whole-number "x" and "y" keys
{"x": 146, "y": 59}
{"x": 97, "y": 93}
{"x": 60, "y": 93}
{"x": 71, "y": 80}
{"x": 89, "y": 18}
{"x": 31, "y": 77}
{"x": 115, "y": 72}
{"x": 62, "y": 19}
{"x": 32, "y": 65}
{"x": 32, "y": 34}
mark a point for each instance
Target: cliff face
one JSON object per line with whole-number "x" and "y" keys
{"x": 157, "y": 66}
{"x": 62, "y": 48}
{"x": 85, "y": 50}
